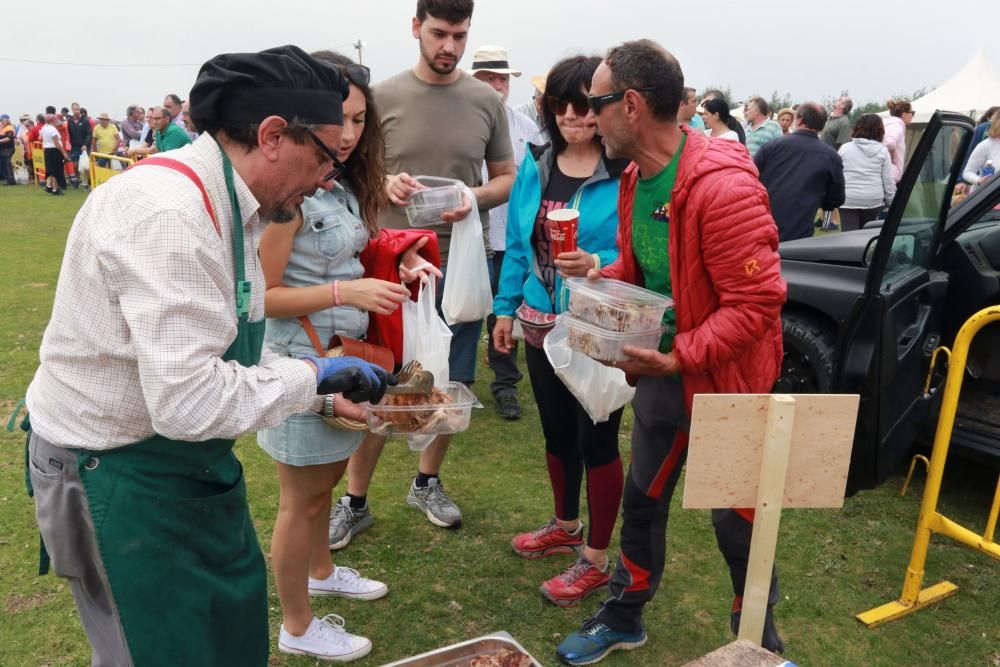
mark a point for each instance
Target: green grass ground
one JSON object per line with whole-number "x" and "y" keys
{"x": 447, "y": 586}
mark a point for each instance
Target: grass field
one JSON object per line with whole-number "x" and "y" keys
{"x": 446, "y": 586}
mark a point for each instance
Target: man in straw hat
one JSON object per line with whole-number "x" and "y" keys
{"x": 152, "y": 365}
{"x": 490, "y": 65}
{"x": 106, "y": 138}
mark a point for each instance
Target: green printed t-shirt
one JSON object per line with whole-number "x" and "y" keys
{"x": 650, "y": 233}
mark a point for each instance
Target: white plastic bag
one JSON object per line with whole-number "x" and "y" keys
{"x": 467, "y": 295}
{"x": 21, "y": 176}
{"x": 427, "y": 339}
{"x": 84, "y": 163}
{"x": 600, "y": 389}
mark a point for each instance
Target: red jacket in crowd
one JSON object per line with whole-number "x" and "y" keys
{"x": 725, "y": 271}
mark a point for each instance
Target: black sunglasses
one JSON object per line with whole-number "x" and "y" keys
{"x": 338, "y": 166}
{"x": 598, "y": 102}
{"x": 557, "y": 105}
{"x": 359, "y": 75}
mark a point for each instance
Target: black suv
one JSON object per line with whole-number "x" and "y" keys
{"x": 867, "y": 308}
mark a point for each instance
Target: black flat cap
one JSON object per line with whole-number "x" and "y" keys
{"x": 284, "y": 81}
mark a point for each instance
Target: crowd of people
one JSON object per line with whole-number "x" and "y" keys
{"x": 72, "y": 133}
{"x": 196, "y": 342}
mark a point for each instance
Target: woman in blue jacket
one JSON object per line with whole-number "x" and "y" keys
{"x": 571, "y": 172}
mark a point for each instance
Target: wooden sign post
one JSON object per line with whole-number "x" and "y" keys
{"x": 768, "y": 452}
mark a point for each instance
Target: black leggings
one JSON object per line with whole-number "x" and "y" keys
{"x": 573, "y": 442}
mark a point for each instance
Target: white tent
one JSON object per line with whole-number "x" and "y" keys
{"x": 972, "y": 90}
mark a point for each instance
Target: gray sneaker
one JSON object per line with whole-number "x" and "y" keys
{"x": 433, "y": 502}
{"x": 345, "y": 523}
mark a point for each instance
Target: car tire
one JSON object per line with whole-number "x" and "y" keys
{"x": 807, "y": 365}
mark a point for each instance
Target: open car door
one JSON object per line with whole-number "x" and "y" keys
{"x": 883, "y": 351}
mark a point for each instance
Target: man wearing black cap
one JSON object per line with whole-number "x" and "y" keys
{"x": 152, "y": 365}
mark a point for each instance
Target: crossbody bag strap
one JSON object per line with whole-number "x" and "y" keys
{"x": 184, "y": 169}
{"x": 313, "y": 336}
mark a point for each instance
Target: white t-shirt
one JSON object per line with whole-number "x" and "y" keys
{"x": 728, "y": 134}
{"x": 50, "y": 137}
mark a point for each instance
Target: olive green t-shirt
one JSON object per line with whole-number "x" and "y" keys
{"x": 650, "y": 233}
{"x": 441, "y": 130}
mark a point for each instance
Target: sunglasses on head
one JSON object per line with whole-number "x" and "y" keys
{"x": 598, "y": 102}
{"x": 338, "y": 166}
{"x": 558, "y": 105}
{"x": 359, "y": 75}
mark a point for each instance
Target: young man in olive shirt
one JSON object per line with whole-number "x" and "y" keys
{"x": 438, "y": 121}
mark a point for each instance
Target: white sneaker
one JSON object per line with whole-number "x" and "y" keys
{"x": 347, "y": 583}
{"x": 325, "y": 639}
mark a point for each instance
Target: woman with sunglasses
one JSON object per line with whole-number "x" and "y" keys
{"x": 313, "y": 268}
{"x": 572, "y": 171}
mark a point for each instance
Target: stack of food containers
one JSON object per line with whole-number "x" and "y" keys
{"x": 606, "y": 315}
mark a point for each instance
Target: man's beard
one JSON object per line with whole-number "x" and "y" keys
{"x": 429, "y": 59}
{"x": 281, "y": 215}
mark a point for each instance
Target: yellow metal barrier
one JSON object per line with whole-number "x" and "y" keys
{"x": 931, "y": 521}
{"x": 38, "y": 162}
{"x": 102, "y": 174}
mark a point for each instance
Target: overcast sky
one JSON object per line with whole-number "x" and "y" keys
{"x": 872, "y": 48}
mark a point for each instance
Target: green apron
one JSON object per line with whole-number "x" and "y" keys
{"x": 175, "y": 534}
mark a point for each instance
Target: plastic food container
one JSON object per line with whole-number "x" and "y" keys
{"x": 617, "y": 306}
{"x": 605, "y": 345}
{"x": 442, "y": 418}
{"x": 426, "y": 206}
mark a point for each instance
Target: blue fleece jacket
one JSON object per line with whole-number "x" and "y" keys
{"x": 597, "y": 232}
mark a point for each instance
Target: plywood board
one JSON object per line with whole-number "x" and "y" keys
{"x": 741, "y": 653}
{"x": 726, "y": 444}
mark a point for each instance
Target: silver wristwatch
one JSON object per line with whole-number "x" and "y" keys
{"x": 328, "y": 406}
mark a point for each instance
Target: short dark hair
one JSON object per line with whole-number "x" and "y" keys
{"x": 452, "y": 11}
{"x": 848, "y": 104}
{"x": 83, "y": 111}
{"x": 761, "y": 104}
{"x": 568, "y": 80}
{"x": 63, "y": 111}
{"x": 869, "y": 126}
{"x": 175, "y": 99}
{"x": 132, "y": 108}
{"x": 716, "y": 93}
{"x": 166, "y": 112}
{"x": 50, "y": 109}
{"x": 813, "y": 115}
{"x": 644, "y": 63}
{"x": 686, "y": 92}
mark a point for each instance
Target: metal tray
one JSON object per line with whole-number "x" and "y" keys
{"x": 459, "y": 655}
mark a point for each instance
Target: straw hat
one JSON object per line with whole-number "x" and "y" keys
{"x": 492, "y": 59}
{"x": 104, "y": 116}
{"x": 539, "y": 83}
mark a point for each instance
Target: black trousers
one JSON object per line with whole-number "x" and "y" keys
{"x": 659, "y": 449}
{"x": 55, "y": 166}
{"x": 505, "y": 372}
{"x": 6, "y": 168}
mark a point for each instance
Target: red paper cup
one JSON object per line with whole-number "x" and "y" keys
{"x": 562, "y": 225}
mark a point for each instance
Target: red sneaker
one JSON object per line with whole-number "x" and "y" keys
{"x": 578, "y": 581}
{"x": 547, "y": 540}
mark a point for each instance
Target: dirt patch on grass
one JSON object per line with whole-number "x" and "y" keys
{"x": 17, "y": 603}
{"x": 36, "y": 285}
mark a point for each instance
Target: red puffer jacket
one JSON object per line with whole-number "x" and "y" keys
{"x": 381, "y": 260}
{"x": 724, "y": 269}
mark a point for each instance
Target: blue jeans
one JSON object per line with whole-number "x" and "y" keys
{"x": 464, "y": 339}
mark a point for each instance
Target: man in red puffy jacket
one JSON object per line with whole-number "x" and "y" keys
{"x": 695, "y": 224}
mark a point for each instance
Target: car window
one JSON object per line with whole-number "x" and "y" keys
{"x": 915, "y": 241}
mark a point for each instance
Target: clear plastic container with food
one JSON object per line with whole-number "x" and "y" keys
{"x": 447, "y": 409}
{"x": 604, "y": 345}
{"x": 426, "y": 206}
{"x": 617, "y": 306}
